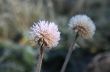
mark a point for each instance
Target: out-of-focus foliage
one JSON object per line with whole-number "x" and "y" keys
{"x": 16, "y": 17}
{"x": 15, "y": 58}
{"x": 100, "y": 63}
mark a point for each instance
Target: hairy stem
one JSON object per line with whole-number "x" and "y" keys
{"x": 71, "y": 49}
{"x": 39, "y": 65}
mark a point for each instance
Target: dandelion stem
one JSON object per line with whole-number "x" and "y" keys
{"x": 41, "y": 55}
{"x": 71, "y": 49}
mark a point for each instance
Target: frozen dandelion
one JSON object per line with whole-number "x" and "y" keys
{"x": 83, "y": 25}
{"x": 45, "y": 33}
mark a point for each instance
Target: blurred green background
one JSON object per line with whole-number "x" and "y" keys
{"x": 18, "y": 54}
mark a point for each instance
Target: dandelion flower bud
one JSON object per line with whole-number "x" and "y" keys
{"x": 46, "y": 33}
{"x": 83, "y": 25}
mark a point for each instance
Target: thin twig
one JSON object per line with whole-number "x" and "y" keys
{"x": 72, "y": 47}
{"x": 39, "y": 65}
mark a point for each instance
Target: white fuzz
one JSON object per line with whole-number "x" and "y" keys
{"x": 47, "y": 32}
{"x": 83, "y": 25}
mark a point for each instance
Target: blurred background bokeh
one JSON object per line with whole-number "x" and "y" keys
{"x": 18, "y": 54}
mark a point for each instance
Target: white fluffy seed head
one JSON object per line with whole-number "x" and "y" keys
{"x": 83, "y": 25}
{"x": 45, "y": 32}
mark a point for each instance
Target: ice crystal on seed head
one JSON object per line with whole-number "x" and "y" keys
{"x": 83, "y": 25}
{"x": 45, "y": 32}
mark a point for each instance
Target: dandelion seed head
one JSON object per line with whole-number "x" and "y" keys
{"x": 83, "y": 25}
{"x": 45, "y": 32}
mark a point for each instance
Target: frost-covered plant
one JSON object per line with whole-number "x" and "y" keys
{"x": 46, "y": 34}
{"x": 84, "y": 27}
